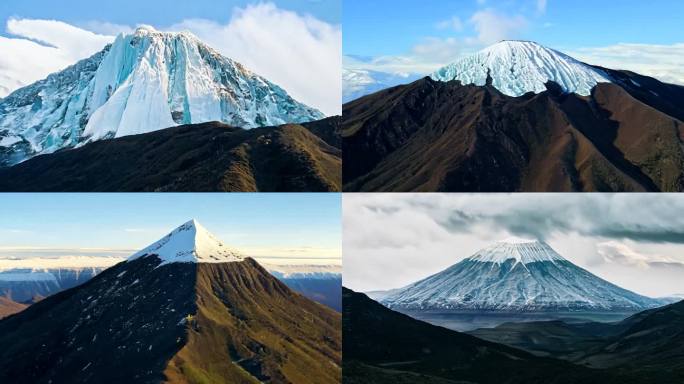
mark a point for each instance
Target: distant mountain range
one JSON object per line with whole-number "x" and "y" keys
{"x": 517, "y": 116}
{"x": 383, "y": 346}
{"x": 211, "y": 157}
{"x": 27, "y": 281}
{"x": 144, "y": 81}
{"x": 361, "y": 82}
{"x": 516, "y": 275}
{"x": 187, "y": 308}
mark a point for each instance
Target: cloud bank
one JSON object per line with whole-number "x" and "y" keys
{"x": 40, "y": 48}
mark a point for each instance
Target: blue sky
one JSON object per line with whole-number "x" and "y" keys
{"x": 154, "y": 12}
{"x": 383, "y": 27}
{"x": 406, "y": 36}
{"x": 266, "y": 223}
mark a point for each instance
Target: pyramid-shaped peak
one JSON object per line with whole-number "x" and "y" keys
{"x": 521, "y": 250}
{"x": 190, "y": 243}
{"x": 517, "y": 67}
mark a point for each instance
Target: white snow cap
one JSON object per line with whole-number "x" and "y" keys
{"x": 518, "y": 249}
{"x": 518, "y": 67}
{"x": 190, "y": 243}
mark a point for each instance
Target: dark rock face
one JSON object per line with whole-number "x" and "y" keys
{"x": 121, "y": 326}
{"x": 444, "y": 136}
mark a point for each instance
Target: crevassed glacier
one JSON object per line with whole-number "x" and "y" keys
{"x": 518, "y": 67}
{"x": 142, "y": 82}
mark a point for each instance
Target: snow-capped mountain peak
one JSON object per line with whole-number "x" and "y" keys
{"x": 518, "y": 275}
{"x": 521, "y": 250}
{"x": 517, "y": 67}
{"x": 190, "y": 243}
{"x": 142, "y": 82}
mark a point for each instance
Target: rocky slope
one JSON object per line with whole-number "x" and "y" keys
{"x": 210, "y": 316}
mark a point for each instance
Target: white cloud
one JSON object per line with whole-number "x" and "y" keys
{"x": 492, "y": 26}
{"x": 665, "y": 62}
{"x": 620, "y": 253}
{"x": 42, "y": 47}
{"x": 300, "y": 53}
{"x": 427, "y": 56}
{"x": 454, "y": 23}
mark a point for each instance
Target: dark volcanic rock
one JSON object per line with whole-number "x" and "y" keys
{"x": 444, "y": 136}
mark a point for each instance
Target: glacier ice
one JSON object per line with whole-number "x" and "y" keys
{"x": 142, "y": 82}
{"x": 518, "y": 67}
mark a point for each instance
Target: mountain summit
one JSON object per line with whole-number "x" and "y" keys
{"x": 142, "y": 82}
{"x": 518, "y": 67}
{"x": 521, "y": 250}
{"x": 190, "y": 243}
{"x": 517, "y": 276}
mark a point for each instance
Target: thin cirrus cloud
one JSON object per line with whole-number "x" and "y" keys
{"x": 300, "y": 53}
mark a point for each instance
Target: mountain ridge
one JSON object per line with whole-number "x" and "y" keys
{"x": 445, "y": 136}
{"x": 195, "y": 158}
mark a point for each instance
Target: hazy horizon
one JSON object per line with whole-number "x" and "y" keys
{"x": 288, "y": 228}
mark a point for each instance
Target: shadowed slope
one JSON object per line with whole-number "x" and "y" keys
{"x": 386, "y": 345}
